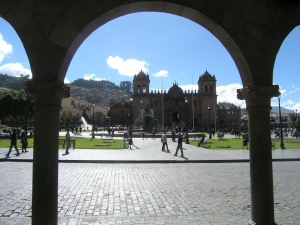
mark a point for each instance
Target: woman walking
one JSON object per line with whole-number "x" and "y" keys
{"x": 24, "y": 142}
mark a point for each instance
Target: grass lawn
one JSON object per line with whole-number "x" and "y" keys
{"x": 236, "y": 143}
{"x": 215, "y": 144}
{"x": 81, "y": 143}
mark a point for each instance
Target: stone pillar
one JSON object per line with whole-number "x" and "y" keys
{"x": 261, "y": 170}
{"x": 47, "y": 104}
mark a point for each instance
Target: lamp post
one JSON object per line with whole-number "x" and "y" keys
{"x": 93, "y": 135}
{"x": 187, "y": 128}
{"x": 281, "y": 136}
{"x": 208, "y": 108}
{"x": 130, "y": 114}
{"x": 26, "y": 115}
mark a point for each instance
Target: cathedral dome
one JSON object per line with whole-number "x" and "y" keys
{"x": 175, "y": 90}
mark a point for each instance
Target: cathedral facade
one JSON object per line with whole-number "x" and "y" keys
{"x": 197, "y": 109}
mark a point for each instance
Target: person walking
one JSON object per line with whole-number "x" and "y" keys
{"x": 179, "y": 145}
{"x": 24, "y": 141}
{"x": 173, "y": 135}
{"x": 153, "y": 133}
{"x": 13, "y": 142}
{"x": 67, "y": 141}
{"x": 164, "y": 141}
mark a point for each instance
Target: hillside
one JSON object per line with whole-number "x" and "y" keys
{"x": 15, "y": 83}
{"x": 101, "y": 92}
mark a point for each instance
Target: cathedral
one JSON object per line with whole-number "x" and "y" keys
{"x": 195, "y": 109}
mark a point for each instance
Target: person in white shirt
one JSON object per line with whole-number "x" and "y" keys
{"x": 164, "y": 141}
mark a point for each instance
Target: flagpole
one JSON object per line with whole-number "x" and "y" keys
{"x": 162, "y": 100}
{"x": 215, "y": 95}
{"x": 193, "y": 101}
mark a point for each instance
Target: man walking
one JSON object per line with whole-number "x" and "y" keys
{"x": 179, "y": 145}
{"x": 164, "y": 141}
{"x": 13, "y": 142}
{"x": 67, "y": 141}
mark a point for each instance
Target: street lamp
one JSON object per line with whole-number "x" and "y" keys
{"x": 187, "y": 129}
{"x": 93, "y": 135}
{"x": 208, "y": 108}
{"x": 281, "y": 136}
{"x": 130, "y": 113}
{"x": 26, "y": 115}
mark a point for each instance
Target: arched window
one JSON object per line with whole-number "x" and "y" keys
{"x": 205, "y": 88}
{"x": 138, "y": 89}
{"x": 144, "y": 89}
{"x": 211, "y": 88}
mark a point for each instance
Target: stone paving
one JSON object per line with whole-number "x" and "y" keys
{"x": 151, "y": 193}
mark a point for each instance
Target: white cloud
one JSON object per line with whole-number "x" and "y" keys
{"x": 161, "y": 73}
{"x": 228, "y": 93}
{"x": 5, "y": 48}
{"x": 88, "y": 76}
{"x": 15, "y": 70}
{"x": 286, "y": 104}
{"x": 295, "y": 90}
{"x": 128, "y": 67}
{"x": 296, "y": 106}
{"x": 91, "y": 77}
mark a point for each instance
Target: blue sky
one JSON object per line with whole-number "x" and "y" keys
{"x": 167, "y": 47}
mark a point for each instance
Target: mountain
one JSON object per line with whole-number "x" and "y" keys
{"x": 15, "y": 83}
{"x": 275, "y": 109}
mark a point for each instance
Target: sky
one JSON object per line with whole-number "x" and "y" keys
{"x": 169, "y": 48}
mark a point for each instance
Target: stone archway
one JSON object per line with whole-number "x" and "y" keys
{"x": 52, "y": 31}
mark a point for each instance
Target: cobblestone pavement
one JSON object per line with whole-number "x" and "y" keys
{"x": 158, "y": 193}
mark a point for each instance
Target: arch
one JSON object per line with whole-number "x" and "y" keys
{"x": 251, "y": 32}
{"x": 144, "y": 89}
{"x": 166, "y": 7}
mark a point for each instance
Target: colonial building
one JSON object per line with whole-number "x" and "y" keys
{"x": 79, "y": 108}
{"x": 198, "y": 109}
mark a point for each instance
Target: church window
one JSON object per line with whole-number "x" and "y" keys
{"x": 205, "y": 88}
{"x": 138, "y": 89}
{"x": 144, "y": 89}
{"x": 211, "y": 88}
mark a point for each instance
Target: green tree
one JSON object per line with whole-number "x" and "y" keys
{"x": 14, "y": 103}
{"x": 294, "y": 120}
{"x": 67, "y": 119}
{"x": 125, "y": 85}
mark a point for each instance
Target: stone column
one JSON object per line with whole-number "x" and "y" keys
{"x": 261, "y": 170}
{"x": 47, "y": 104}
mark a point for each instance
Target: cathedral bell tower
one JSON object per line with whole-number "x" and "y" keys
{"x": 208, "y": 98}
{"x": 141, "y": 84}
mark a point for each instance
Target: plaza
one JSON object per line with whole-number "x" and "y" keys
{"x": 145, "y": 185}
